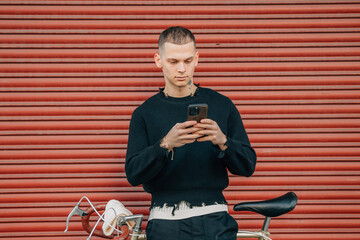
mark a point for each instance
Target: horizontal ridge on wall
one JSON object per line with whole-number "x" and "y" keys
{"x": 164, "y": 12}
{"x": 173, "y": 2}
{"x": 225, "y": 40}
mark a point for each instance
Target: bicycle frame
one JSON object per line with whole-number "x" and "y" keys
{"x": 269, "y": 208}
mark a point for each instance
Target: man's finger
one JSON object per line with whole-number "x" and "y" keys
{"x": 189, "y": 130}
{"x": 205, "y": 126}
{"x": 191, "y": 135}
{"x": 207, "y": 121}
{"x": 206, "y": 132}
{"x": 187, "y": 124}
{"x": 189, "y": 141}
{"x": 205, "y": 138}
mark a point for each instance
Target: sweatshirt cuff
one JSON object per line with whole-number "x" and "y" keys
{"x": 159, "y": 151}
{"x": 221, "y": 153}
{"x": 228, "y": 150}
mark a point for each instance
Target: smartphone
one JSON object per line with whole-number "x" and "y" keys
{"x": 197, "y": 112}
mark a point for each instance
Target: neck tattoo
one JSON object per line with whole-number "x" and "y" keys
{"x": 191, "y": 90}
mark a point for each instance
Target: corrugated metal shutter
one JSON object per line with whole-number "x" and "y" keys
{"x": 72, "y": 72}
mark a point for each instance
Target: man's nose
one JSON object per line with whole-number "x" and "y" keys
{"x": 181, "y": 67}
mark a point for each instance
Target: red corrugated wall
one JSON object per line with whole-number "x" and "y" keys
{"x": 72, "y": 72}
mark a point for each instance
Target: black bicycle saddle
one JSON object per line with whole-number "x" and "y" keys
{"x": 270, "y": 208}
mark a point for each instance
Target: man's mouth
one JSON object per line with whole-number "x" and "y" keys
{"x": 181, "y": 78}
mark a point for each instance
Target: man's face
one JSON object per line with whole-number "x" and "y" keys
{"x": 178, "y": 63}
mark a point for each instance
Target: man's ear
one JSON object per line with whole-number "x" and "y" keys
{"x": 157, "y": 60}
{"x": 196, "y": 58}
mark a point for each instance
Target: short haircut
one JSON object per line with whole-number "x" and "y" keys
{"x": 176, "y": 35}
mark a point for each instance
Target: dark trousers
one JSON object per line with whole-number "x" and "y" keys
{"x": 215, "y": 226}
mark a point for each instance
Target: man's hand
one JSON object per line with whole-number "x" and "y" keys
{"x": 181, "y": 134}
{"x": 211, "y": 131}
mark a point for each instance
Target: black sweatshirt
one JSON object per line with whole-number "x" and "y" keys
{"x": 198, "y": 172}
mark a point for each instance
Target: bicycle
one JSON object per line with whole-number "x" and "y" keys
{"x": 269, "y": 208}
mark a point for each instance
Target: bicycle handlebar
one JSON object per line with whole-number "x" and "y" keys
{"x": 86, "y": 225}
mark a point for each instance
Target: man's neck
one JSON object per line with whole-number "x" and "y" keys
{"x": 180, "y": 92}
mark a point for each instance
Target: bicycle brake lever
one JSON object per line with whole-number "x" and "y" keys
{"x": 76, "y": 211}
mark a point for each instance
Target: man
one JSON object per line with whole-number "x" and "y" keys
{"x": 183, "y": 164}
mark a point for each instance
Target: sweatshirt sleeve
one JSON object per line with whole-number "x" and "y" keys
{"x": 240, "y": 157}
{"x": 143, "y": 161}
